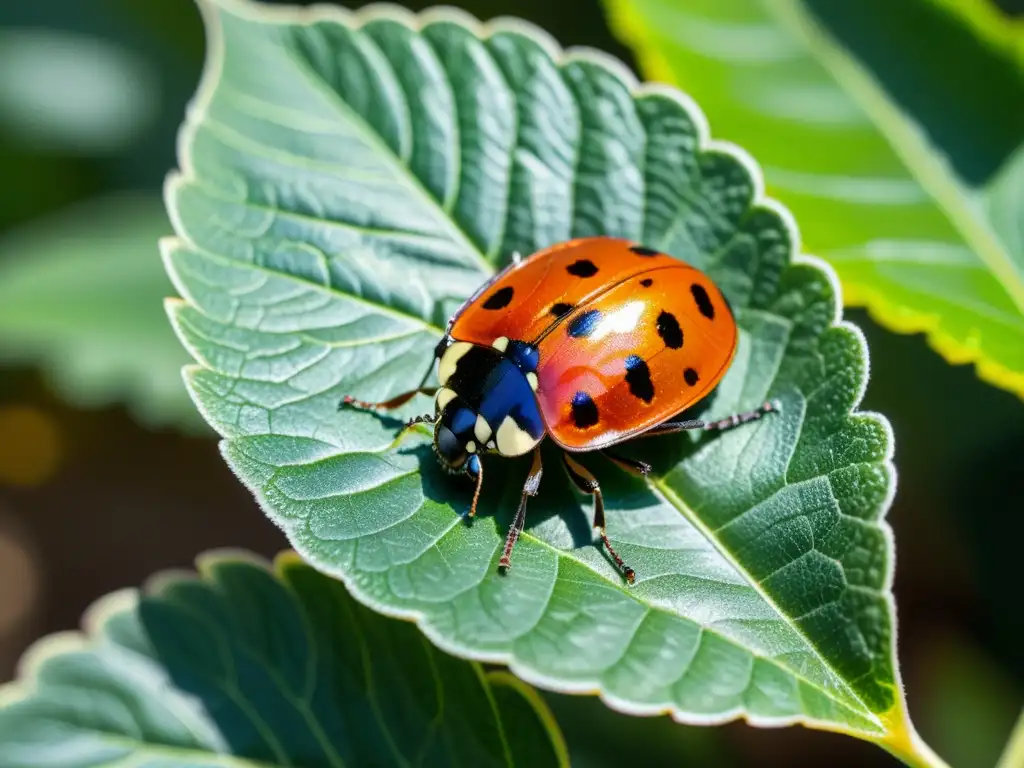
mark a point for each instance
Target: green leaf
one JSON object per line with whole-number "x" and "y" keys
{"x": 871, "y": 127}
{"x": 346, "y": 181}
{"x": 80, "y": 294}
{"x": 248, "y": 668}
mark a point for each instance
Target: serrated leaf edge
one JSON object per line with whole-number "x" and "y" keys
{"x": 895, "y": 724}
{"x": 101, "y": 610}
{"x": 95, "y": 617}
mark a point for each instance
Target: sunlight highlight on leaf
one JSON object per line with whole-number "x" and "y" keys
{"x": 346, "y": 180}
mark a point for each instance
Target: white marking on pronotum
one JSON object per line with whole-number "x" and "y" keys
{"x": 482, "y": 430}
{"x": 471, "y": 446}
{"x": 500, "y": 343}
{"x": 532, "y": 378}
{"x": 512, "y": 439}
{"x": 450, "y": 359}
{"x": 443, "y": 397}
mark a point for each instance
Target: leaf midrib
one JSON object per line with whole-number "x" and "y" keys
{"x": 385, "y": 152}
{"x": 411, "y": 179}
{"x": 660, "y": 486}
{"x": 648, "y": 606}
{"x": 934, "y": 175}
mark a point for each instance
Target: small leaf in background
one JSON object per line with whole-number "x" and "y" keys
{"x": 61, "y": 91}
{"x": 889, "y": 129}
{"x": 244, "y": 667}
{"x": 81, "y": 293}
{"x": 346, "y": 181}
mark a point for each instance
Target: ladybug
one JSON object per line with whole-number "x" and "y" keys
{"x": 590, "y": 342}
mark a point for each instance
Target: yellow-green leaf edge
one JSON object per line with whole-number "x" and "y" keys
{"x": 993, "y": 29}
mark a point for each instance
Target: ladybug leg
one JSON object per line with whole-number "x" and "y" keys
{"x": 721, "y": 424}
{"x": 387, "y": 405}
{"x": 401, "y": 399}
{"x": 475, "y": 471}
{"x": 587, "y": 483}
{"x": 634, "y": 467}
{"x": 529, "y": 489}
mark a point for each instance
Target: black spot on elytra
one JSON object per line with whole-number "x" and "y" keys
{"x": 584, "y": 411}
{"x": 647, "y": 282}
{"x": 703, "y": 301}
{"x": 584, "y": 324}
{"x": 669, "y": 330}
{"x": 582, "y": 268}
{"x": 500, "y": 298}
{"x": 691, "y": 376}
{"x": 641, "y": 250}
{"x": 638, "y": 376}
{"x": 561, "y": 309}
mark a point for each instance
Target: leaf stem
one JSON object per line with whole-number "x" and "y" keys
{"x": 921, "y": 756}
{"x": 902, "y": 741}
{"x": 1013, "y": 753}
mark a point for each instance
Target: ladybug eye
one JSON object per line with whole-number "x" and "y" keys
{"x": 449, "y": 448}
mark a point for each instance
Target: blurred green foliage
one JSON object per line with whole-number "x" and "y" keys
{"x": 893, "y": 131}
{"x": 82, "y": 296}
{"x": 958, "y": 442}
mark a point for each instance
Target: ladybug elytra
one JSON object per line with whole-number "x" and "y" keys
{"x": 591, "y": 342}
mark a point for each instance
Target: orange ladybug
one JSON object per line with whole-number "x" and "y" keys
{"x": 590, "y": 342}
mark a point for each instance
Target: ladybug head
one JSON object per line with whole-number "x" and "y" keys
{"x": 450, "y": 450}
{"x": 454, "y": 441}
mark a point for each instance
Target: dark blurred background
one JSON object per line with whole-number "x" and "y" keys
{"x": 96, "y": 495}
